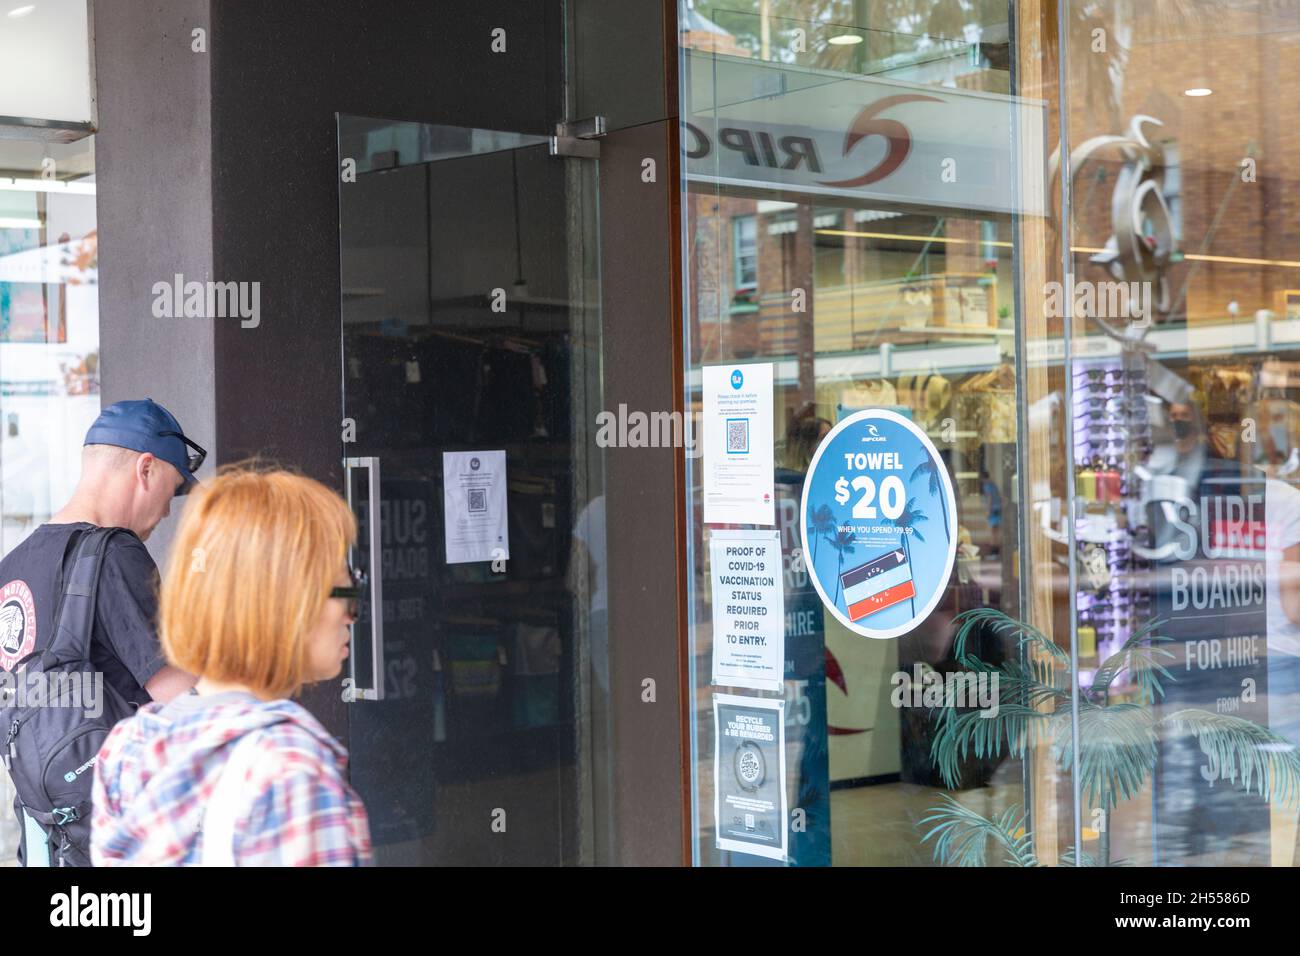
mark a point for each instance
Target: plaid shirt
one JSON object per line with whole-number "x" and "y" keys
{"x": 157, "y": 769}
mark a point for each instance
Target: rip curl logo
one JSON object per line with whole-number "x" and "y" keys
{"x": 897, "y": 138}
{"x": 17, "y": 623}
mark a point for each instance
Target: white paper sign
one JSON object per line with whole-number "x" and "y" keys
{"x": 748, "y": 609}
{"x": 749, "y": 802}
{"x": 738, "y": 470}
{"x": 474, "y": 506}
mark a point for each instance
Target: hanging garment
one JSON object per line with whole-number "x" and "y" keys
{"x": 839, "y": 397}
{"x": 927, "y": 394}
{"x": 986, "y": 405}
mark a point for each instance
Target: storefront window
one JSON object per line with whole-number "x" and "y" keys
{"x": 49, "y": 344}
{"x": 745, "y": 251}
{"x": 1029, "y": 471}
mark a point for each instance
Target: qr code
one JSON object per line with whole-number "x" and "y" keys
{"x": 737, "y": 435}
{"x": 477, "y": 500}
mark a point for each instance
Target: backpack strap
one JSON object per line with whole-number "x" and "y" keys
{"x": 69, "y": 546}
{"x": 45, "y": 839}
{"x": 60, "y": 816}
{"x": 74, "y": 621}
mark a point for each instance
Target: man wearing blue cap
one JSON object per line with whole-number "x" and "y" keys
{"x": 136, "y": 458}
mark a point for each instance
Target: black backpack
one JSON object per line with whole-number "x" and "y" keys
{"x": 50, "y": 743}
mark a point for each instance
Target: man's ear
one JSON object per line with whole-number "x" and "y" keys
{"x": 146, "y": 469}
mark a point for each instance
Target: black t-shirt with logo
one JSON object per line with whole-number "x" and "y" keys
{"x": 124, "y": 645}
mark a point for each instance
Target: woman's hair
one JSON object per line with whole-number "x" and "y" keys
{"x": 253, "y": 563}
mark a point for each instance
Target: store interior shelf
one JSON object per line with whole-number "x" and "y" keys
{"x": 1261, "y": 334}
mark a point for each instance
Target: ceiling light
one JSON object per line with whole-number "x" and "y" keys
{"x": 845, "y": 39}
{"x": 1198, "y": 91}
{"x": 17, "y": 12}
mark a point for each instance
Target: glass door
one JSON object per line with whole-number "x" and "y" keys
{"x": 471, "y": 373}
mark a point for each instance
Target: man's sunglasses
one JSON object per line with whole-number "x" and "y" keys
{"x": 195, "y": 454}
{"x": 353, "y": 594}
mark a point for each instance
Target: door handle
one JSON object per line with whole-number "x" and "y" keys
{"x": 374, "y": 572}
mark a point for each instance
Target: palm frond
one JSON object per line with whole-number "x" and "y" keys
{"x": 1072, "y": 857}
{"x": 1266, "y": 763}
{"x": 1140, "y": 658}
{"x": 1003, "y": 623}
{"x": 961, "y": 835}
{"x": 1014, "y": 727}
{"x": 927, "y": 467}
{"x": 1087, "y": 859}
{"x": 1117, "y": 751}
{"x": 1031, "y": 682}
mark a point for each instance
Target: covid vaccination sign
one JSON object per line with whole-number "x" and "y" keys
{"x": 879, "y": 523}
{"x": 748, "y": 609}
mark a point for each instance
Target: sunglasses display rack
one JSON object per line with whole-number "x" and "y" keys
{"x": 1112, "y": 437}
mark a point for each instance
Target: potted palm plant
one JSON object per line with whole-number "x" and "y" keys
{"x": 1118, "y": 739}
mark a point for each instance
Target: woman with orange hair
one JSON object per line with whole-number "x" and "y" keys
{"x": 256, "y": 601}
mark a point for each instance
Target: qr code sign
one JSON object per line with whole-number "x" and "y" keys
{"x": 737, "y": 435}
{"x": 477, "y": 500}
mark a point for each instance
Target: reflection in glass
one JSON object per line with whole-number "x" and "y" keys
{"x": 49, "y": 343}
{"x": 1110, "y": 392}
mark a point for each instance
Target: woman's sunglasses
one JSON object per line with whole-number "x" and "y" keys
{"x": 353, "y": 594}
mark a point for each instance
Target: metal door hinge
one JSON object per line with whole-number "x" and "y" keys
{"x": 577, "y": 138}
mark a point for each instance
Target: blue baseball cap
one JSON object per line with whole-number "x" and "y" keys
{"x": 145, "y": 426}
